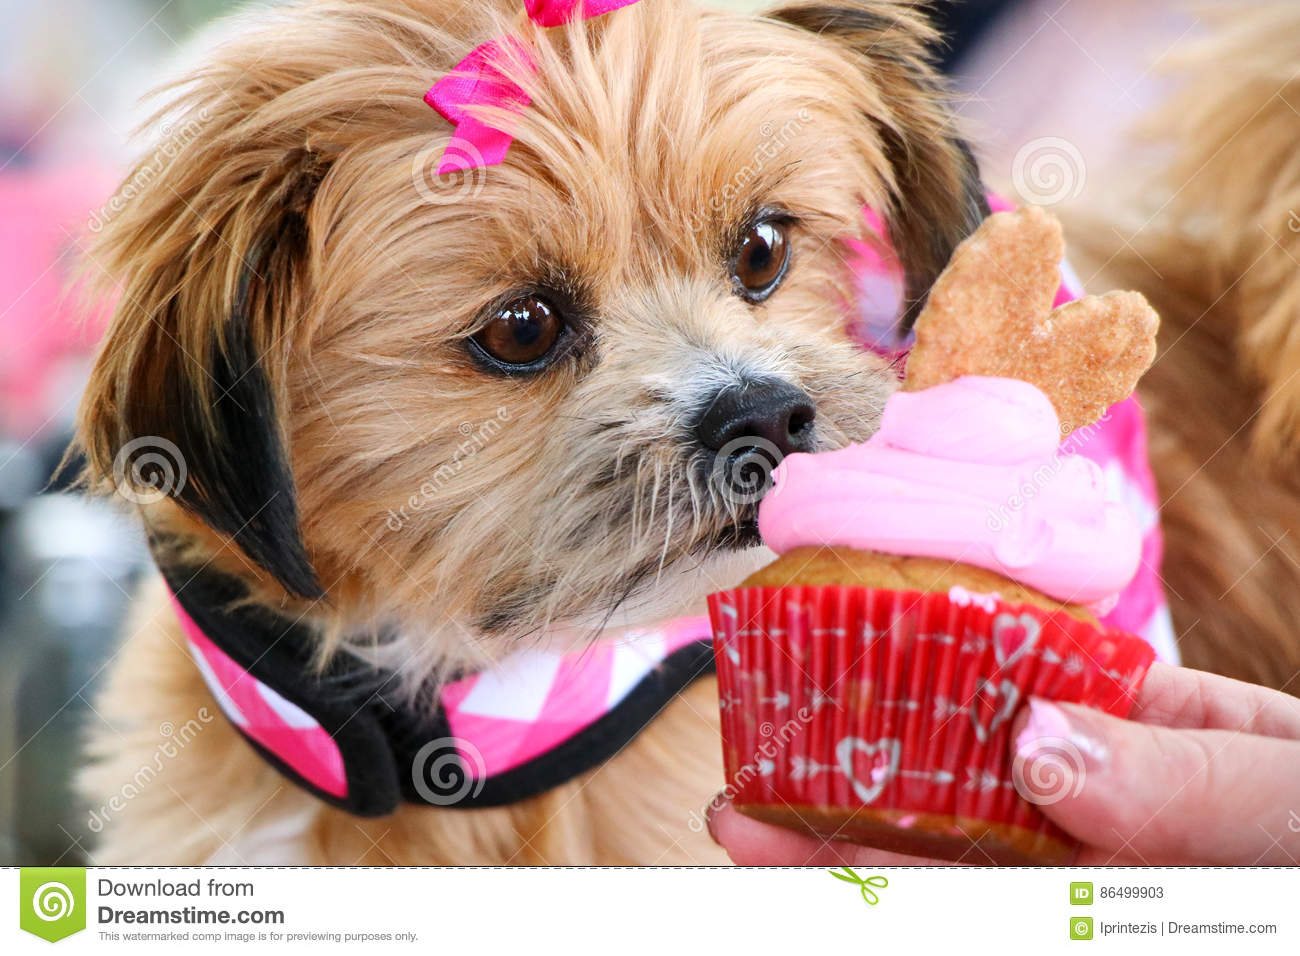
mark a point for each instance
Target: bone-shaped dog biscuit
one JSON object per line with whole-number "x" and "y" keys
{"x": 990, "y": 313}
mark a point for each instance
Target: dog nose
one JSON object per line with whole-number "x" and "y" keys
{"x": 763, "y": 411}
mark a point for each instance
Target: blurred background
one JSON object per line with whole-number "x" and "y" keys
{"x": 1072, "y": 72}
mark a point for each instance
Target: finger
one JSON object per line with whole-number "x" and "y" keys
{"x": 1163, "y": 795}
{"x": 1181, "y": 697}
{"x": 752, "y": 843}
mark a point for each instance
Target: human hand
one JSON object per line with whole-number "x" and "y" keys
{"x": 1206, "y": 770}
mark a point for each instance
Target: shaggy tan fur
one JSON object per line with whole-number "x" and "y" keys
{"x": 466, "y": 512}
{"x": 1214, "y": 243}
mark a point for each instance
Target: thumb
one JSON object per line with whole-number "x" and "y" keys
{"x": 1161, "y": 795}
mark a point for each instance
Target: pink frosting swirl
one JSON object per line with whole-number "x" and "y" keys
{"x": 968, "y": 471}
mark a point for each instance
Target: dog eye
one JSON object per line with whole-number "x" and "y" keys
{"x": 760, "y": 265}
{"x": 522, "y": 332}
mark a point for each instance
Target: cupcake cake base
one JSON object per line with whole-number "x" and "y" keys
{"x": 926, "y": 835}
{"x": 896, "y": 572}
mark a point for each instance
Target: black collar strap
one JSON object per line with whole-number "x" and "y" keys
{"x": 345, "y": 736}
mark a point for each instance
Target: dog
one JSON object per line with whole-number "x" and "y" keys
{"x": 429, "y": 421}
{"x": 1211, "y": 235}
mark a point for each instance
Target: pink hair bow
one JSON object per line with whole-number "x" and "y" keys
{"x": 554, "y": 13}
{"x": 480, "y": 80}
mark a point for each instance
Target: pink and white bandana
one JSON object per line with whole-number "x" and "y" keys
{"x": 537, "y": 700}
{"x": 502, "y": 735}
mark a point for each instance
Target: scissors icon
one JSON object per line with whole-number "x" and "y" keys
{"x": 865, "y": 884}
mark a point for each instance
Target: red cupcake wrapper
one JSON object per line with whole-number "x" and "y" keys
{"x": 884, "y": 716}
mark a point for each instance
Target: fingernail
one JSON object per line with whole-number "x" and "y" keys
{"x": 709, "y": 810}
{"x": 1052, "y": 732}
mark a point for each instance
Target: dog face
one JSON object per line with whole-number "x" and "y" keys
{"x": 535, "y": 393}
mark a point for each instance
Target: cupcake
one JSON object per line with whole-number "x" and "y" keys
{"x": 933, "y": 578}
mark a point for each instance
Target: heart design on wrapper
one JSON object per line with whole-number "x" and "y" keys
{"x": 882, "y": 764}
{"x": 992, "y": 707}
{"x": 1014, "y": 636}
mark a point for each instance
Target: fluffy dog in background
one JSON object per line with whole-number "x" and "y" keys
{"x": 1213, "y": 241}
{"x": 310, "y": 317}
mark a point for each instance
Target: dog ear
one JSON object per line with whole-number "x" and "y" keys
{"x": 211, "y": 259}
{"x": 937, "y": 196}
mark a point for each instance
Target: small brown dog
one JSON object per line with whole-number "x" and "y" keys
{"x": 1213, "y": 241}
{"x": 316, "y": 324}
